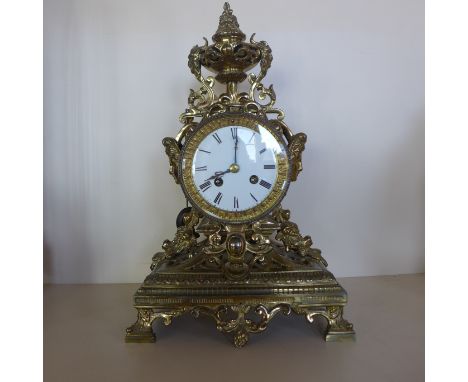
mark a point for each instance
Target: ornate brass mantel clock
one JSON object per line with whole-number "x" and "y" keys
{"x": 236, "y": 256}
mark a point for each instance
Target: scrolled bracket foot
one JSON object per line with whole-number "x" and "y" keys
{"x": 139, "y": 335}
{"x": 338, "y": 328}
{"x": 141, "y": 330}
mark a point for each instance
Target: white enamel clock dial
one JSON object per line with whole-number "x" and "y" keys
{"x": 234, "y": 168}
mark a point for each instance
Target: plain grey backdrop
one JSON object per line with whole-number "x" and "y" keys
{"x": 348, "y": 73}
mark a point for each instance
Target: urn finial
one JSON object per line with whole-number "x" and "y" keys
{"x": 228, "y": 28}
{"x": 230, "y": 56}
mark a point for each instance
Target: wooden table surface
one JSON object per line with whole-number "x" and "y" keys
{"x": 84, "y": 328}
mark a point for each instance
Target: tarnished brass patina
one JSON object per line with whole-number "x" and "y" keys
{"x": 242, "y": 268}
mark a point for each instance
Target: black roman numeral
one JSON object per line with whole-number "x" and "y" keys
{"x": 205, "y": 186}
{"x": 253, "y": 135}
{"x": 217, "y": 138}
{"x": 201, "y": 168}
{"x": 262, "y": 151}
{"x": 253, "y": 197}
{"x": 218, "y": 198}
{"x": 269, "y": 167}
{"x": 265, "y": 184}
{"x": 234, "y": 132}
{"x": 236, "y": 202}
{"x": 208, "y": 152}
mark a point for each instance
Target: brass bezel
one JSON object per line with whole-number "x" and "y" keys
{"x": 206, "y": 127}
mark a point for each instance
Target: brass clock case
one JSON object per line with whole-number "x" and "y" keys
{"x": 208, "y": 126}
{"x": 241, "y": 268}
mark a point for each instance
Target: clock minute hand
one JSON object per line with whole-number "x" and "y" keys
{"x": 235, "y": 150}
{"x": 218, "y": 174}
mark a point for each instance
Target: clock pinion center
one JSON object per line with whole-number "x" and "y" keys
{"x": 234, "y": 168}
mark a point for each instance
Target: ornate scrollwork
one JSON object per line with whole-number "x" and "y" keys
{"x": 202, "y": 98}
{"x": 266, "y": 59}
{"x": 214, "y": 244}
{"x": 241, "y": 326}
{"x": 258, "y": 92}
{"x": 259, "y": 243}
{"x": 198, "y": 101}
{"x": 187, "y": 129}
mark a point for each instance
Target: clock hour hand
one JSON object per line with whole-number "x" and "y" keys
{"x": 218, "y": 174}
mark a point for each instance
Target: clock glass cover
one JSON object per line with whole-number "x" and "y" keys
{"x": 235, "y": 168}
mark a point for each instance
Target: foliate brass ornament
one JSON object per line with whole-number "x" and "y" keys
{"x": 290, "y": 236}
{"x": 243, "y": 267}
{"x": 241, "y": 326}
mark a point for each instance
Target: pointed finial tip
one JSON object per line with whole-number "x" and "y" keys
{"x": 227, "y": 9}
{"x": 228, "y": 26}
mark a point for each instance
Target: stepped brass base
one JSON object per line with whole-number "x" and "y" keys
{"x": 241, "y": 307}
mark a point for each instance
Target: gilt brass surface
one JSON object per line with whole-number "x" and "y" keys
{"x": 241, "y": 268}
